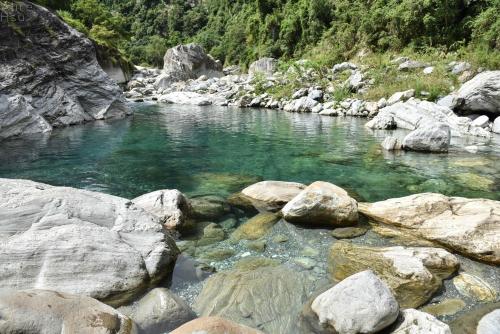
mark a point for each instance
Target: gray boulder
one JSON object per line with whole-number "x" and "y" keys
{"x": 303, "y": 104}
{"x": 361, "y": 303}
{"x": 459, "y": 67}
{"x": 184, "y": 62}
{"x": 78, "y": 241}
{"x": 429, "y": 138}
{"x": 51, "y": 312}
{"x": 322, "y": 203}
{"x": 415, "y": 113}
{"x": 266, "y": 66}
{"x": 53, "y": 79}
{"x": 158, "y": 312}
{"x": 170, "y": 206}
{"x": 481, "y": 94}
{"x": 382, "y": 122}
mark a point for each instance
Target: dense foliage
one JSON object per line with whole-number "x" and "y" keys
{"x": 239, "y": 31}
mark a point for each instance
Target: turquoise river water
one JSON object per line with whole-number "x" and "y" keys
{"x": 202, "y": 150}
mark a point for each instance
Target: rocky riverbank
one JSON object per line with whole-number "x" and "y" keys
{"x": 308, "y": 260}
{"x": 472, "y": 110}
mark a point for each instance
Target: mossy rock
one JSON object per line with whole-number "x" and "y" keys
{"x": 252, "y": 263}
{"x": 403, "y": 269}
{"x": 349, "y": 232}
{"x": 211, "y": 234}
{"x": 256, "y": 227}
{"x": 223, "y": 182}
{"x": 242, "y": 202}
{"x": 209, "y": 207}
{"x": 445, "y": 307}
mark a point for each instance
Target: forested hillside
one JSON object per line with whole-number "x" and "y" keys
{"x": 239, "y": 31}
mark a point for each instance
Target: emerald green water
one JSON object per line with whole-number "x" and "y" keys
{"x": 202, "y": 150}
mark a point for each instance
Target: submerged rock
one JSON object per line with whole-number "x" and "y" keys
{"x": 445, "y": 307}
{"x": 170, "y": 206}
{"x": 413, "y": 273}
{"x": 481, "y": 94}
{"x": 272, "y": 195}
{"x": 214, "y": 325}
{"x": 256, "y": 227}
{"x": 159, "y": 311}
{"x": 361, "y": 303}
{"x": 208, "y": 207}
{"x": 79, "y": 241}
{"x": 467, "y": 323}
{"x": 52, "y": 312}
{"x": 269, "y": 298}
{"x": 50, "y": 79}
{"x": 322, "y": 203}
{"x": 474, "y": 287}
{"x": 348, "y": 232}
{"x": 429, "y": 138}
{"x": 468, "y": 226}
{"x": 416, "y": 322}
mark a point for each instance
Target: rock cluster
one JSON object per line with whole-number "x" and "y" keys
{"x": 468, "y": 226}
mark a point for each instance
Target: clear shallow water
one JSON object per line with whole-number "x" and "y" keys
{"x": 201, "y": 150}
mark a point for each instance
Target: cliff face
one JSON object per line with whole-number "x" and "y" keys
{"x": 49, "y": 74}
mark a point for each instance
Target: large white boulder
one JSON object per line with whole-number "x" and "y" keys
{"x": 189, "y": 98}
{"x": 429, "y": 138}
{"x": 361, "y": 303}
{"x": 481, "y": 94}
{"x": 468, "y": 226}
{"x": 79, "y": 242}
{"x": 496, "y": 125}
{"x": 170, "y": 206}
{"x": 52, "y": 312}
{"x": 415, "y": 113}
{"x": 322, "y": 203}
{"x": 184, "y": 62}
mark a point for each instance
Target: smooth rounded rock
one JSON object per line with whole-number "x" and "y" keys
{"x": 362, "y": 303}
{"x": 159, "y": 311}
{"x": 429, "y": 138}
{"x": 80, "y": 242}
{"x": 322, "y": 203}
{"x": 52, "y": 312}
{"x": 170, "y": 206}
{"x": 272, "y": 195}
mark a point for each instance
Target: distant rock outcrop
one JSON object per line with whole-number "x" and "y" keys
{"x": 185, "y": 62}
{"x": 49, "y": 74}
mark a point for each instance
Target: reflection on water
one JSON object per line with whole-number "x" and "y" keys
{"x": 195, "y": 148}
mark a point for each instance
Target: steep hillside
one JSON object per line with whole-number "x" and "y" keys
{"x": 239, "y": 31}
